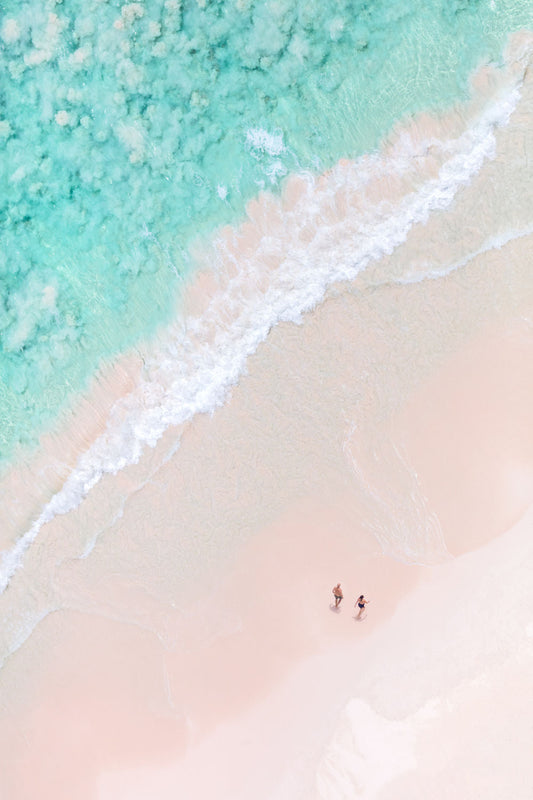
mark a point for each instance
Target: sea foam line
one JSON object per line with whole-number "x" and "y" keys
{"x": 492, "y": 243}
{"x": 200, "y": 359}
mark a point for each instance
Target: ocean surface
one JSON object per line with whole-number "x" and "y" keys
{"x": 130, "y": 133}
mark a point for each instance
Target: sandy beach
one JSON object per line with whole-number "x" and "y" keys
{"x": 174, "y": 636}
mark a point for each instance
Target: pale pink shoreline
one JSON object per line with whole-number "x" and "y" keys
{"x": 187, "y": 645}
{"x": 134, "y": 687}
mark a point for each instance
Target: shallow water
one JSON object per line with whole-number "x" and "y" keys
{"x": 129, "y": 133}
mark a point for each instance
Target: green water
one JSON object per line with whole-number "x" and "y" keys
{"x": 127, "y": 131}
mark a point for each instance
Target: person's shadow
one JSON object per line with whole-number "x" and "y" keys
{"x": 334, "y": 608}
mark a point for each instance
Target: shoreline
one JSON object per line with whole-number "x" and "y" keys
{"x": 189, "y": 642}
{"x": 179, "y": 616}
{"x": 114, "y": 388}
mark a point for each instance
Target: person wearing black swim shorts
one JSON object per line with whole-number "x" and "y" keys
{"x": 337, "y": 594}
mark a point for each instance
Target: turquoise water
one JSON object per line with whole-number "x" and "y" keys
{"x": 127, "y": 131}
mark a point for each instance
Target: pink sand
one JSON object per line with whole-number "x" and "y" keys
{"x": 135, "y": 693}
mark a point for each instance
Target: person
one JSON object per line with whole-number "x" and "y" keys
{"x": 361, "y": 603}
{"x": 337, "y": 594}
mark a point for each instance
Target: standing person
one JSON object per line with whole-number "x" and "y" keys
{"x": 337, "y": 594}
{"x": 360, "y": 603}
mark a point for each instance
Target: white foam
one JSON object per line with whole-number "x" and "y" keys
{"x": 200, "y": 358}
{"x": 10, "y": 31}
{"x": 492, "y": 243}
{"x": 260, "y": 141}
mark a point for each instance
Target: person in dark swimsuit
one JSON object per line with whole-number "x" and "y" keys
{"x": 361, "y": 603}
{"x": 337, "y": 594}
